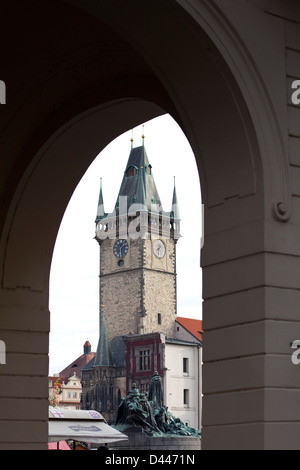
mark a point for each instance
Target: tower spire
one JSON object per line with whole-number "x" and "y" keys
{"x": 103, "y": 355}
{"x": 138, "y": 184}
{"x": 100, "y": 208}
{"x": 175, "y": 208}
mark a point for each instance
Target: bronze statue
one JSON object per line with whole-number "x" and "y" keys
{"x": 136, "y": 409}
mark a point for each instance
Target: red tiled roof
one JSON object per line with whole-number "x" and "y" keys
{"x": 77, "y": 365}
{"x": 192, "y": 325}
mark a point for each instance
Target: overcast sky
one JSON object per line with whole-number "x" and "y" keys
{"x": 74, "y": 281}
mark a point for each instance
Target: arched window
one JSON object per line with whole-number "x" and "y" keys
{"x": 104, "y": 397}
{"x": 119, "y": 396}
{"x": 111, "y": 398}
{"x": 97, "y": 398}
{"x": 148, "y": 169}
{"x": 131, "y": 171}
{"x": 87, "y": 401}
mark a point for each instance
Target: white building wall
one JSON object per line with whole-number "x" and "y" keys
{"x": 71, "y": 393}
{"x": 176, "y": 381}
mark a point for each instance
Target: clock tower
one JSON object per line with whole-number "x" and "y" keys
{"x": 138, "y": 254}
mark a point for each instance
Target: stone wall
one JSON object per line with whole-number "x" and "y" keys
{"x": 135, "y": 293}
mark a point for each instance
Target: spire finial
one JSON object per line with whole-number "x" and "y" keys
{"x": 131, "y": 140}
{"x": 143, "y": 135}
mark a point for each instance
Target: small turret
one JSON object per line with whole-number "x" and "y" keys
{"x": 100, "y": 209}
{"x": 87, "y": 347}
{"x": 175, "y": 215}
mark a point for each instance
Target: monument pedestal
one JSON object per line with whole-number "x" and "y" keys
{"x": 138, "y": 440}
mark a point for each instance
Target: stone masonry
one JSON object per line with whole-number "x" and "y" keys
{"x": 139, "y": 296}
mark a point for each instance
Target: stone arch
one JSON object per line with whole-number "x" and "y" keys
{"x": 225, "y": 109}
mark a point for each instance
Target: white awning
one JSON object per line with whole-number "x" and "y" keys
{"x": 81, "y": 425}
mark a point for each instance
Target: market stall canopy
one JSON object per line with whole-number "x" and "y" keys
{"x": 81, "y": 425}
{"x": 59, "y": 445}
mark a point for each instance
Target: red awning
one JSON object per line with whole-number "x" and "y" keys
{"x": 62, "y": 445}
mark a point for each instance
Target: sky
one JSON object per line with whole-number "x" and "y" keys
{"x": 74, "y": 276}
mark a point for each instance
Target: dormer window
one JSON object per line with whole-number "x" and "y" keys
{"x": 131, "y": 171}
{"x": 148, "y": 169}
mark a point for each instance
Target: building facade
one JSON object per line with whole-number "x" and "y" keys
{"x": 65, "y": 393}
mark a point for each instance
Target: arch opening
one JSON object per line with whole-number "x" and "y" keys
{"x": 76, "y": 256}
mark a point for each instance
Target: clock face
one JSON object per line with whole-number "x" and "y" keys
{"x": 121, "y": 248}
{"x": 159, "y": 248}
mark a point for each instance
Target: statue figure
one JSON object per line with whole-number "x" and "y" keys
{"x": 155, "y": 391}
{"x": 135, "y": 410}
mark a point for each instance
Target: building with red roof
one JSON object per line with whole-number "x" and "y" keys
{"x": 65, "y": 388}
{"x": 190, "y": 326}
{"x": 79, "y": 363}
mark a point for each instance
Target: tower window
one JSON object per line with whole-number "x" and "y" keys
{"x": 159, "y": 318}
{"x": 131, "y": 171}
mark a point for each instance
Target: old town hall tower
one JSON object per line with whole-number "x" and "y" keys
{"x": 138, "y": 254}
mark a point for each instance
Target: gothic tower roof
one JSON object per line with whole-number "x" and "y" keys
{"x": 138, "y": 184}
